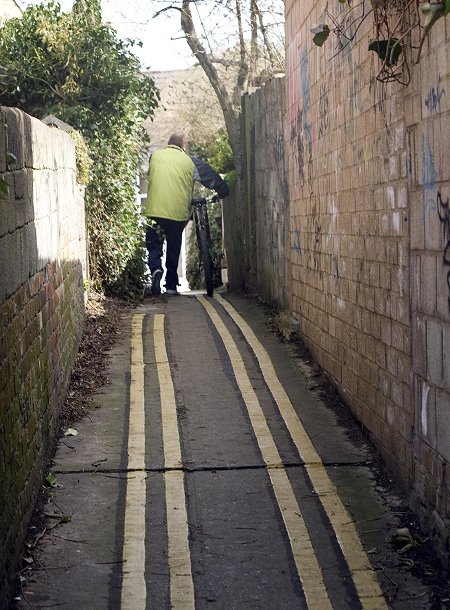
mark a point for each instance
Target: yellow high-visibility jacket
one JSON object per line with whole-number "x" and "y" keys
{"x": 170, "y": 182}
{"x": 171, "y": 178}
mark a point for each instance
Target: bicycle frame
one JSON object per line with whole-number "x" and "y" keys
{"x": 200, "y": 214}
{"x": 203, "y": 234}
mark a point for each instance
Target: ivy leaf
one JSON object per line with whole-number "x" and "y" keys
{"x": 65, "y": 519}
{"x": 433, "y": 11}
{"x": 3, "y": 189}
{"x": 321, "y": 32}
{"x": 11, "y": 160}
{"x": 50, "y": 480}
{"x": 387, "y": 50}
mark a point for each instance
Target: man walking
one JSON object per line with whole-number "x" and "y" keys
{"x": 171, "y": 177}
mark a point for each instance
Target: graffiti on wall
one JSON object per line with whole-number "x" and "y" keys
{"x": 307, "y": 126}
{"x": 324, "y": 120}
{"x": 279, "y": 157}
{"x": 434, "y": 96}
{"x": 429, "y": 174}
{"x": 297, "y": 141}
{"x": 443, "y": 209}
{"x": 297, "y": 241}
{"x": 314, "y": 232}
{"x": 301, "y": 129}
{"x": 306, "y": 101}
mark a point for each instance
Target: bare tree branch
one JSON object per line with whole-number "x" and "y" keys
{"x": 230, "y": 113}
{"x": 253, "y": 40}
{"x": 172, "y": 7}
{"x": 267, "y": 42}
{"x": 241, "y": 81}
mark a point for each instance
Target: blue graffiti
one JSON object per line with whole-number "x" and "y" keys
{"x": 433, "y": 99}
{"x": 297, "y": 243}
{"x": 429, "y": 174}
{"x": 305, "y": 81}
{"x": 306, "y": 100}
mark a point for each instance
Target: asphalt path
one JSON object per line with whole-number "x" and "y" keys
{"x": 210, "y": 476}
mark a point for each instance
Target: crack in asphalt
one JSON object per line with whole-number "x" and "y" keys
{"x": 193, "y": 469}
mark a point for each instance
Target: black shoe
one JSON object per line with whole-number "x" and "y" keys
{"x": 156, "y": 281}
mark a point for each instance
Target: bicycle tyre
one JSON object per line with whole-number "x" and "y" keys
{"x": 207, "y": 263}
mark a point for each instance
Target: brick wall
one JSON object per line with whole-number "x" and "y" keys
{"x": 42, "y": 267}
{"x": 369, "y": 168}
{"x": 427, "y": 116}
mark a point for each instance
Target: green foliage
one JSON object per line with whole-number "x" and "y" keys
{"x": 3, "y": 183}
{"x": 219, "y": 155}
{"x": 387, "y": 50}
{"x": 321, "y": 32}
{"x": 3, "y": 189}
{"x": 83, "y": 157}
{"x": 73, "y": 66}
{"x": 131, "y": 282}
{"x": 393, "y": 26}
{"x": 434, "y": 11}
{"x": 194, "y": 274}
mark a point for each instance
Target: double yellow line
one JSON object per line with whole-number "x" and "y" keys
{"x": 363, "y": 575}
{"x": 134, "y": 588}
{"x": 182, "y": 596}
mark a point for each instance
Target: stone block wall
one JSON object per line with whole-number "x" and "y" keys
{"x": 256, "y": 220}
{"x": 239, "y": 212}
{"x": 42, "y": 269}
{"x": 427, "y": 117}
{"x": 369, "y": 242}
{"x": 271, "y": 195}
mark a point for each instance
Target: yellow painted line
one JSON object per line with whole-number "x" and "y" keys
{"x": 305, "y": 559}
{"x": 171, "y": 438}
{"x": 182, "y": 595}
{"x": 181, "y": 585}
{"x": 364, "y": 577}
{"x": 134, "y": 589}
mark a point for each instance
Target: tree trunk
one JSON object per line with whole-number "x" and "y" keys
{"x": 230, "y": 108}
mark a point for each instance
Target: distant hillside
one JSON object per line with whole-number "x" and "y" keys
{"x": 188, "y": 105}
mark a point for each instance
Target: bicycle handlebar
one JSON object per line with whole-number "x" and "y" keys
{"x": 205, "y": 200}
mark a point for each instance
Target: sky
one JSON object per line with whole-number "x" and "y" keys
{"x": 163, "y": 46}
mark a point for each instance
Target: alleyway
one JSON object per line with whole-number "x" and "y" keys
{"x": 210, "y": 476}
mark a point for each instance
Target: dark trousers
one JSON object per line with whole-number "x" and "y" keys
{"x": 171, "y": 231}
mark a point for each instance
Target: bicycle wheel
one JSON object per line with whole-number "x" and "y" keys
{"x": 207, "y": 263}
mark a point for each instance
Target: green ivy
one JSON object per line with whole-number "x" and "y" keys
{"x": 219, "y": 155}
{"x": 3, "y": 188}
{"x": 83, "y": 157}
{"x": 3, "y": 183}
{"x": 73, "y": 66}
{"x": 194, "y": 274}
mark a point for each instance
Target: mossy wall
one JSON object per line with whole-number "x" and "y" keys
{"x": 42, "y": 271}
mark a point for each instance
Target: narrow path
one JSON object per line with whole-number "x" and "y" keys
{"x": 211, "y": 478}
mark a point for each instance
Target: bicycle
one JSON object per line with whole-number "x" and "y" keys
{"x": 203, "y": 234}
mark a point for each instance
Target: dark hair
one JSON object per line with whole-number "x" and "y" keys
{"x": 177, "y": 139}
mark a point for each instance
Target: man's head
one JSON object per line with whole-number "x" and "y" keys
{"x": 177, "y": 139}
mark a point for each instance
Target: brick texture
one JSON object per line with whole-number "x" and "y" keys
{"x": 42, "y": 268}
{"x": 368, "y": 172}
